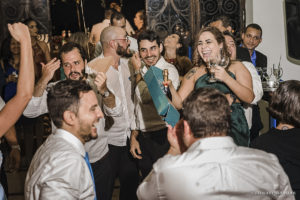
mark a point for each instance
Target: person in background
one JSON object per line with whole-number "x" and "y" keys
{"x": 98, "y": 28}
{"x": 223, "y": 23}
{"x": 234, "y": 80}
{"x": 118, "y": 19}
{"x": 284, "y": 140}
{"x": 174, "y": 52}
{"x": 41, "y": 52}
{"x": 140, "y": 22}
{"x": 82, "y": 39}
{"x": 251, "y": 110}
{"x": 252, "y": 37}
{"x": 203, "y": 162}
{"x": 11, "y": 112}
{"x": 129, "y": 30}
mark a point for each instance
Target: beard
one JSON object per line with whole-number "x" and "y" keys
{"x": 86, "y": 131}
{"x": 81, "y": 75}
{"x": 124, "y": 52}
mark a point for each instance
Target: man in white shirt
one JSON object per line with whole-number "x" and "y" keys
{"x": 97, "y": 29}
{"x": 151, "y": 143}
{"x": 115, "y": 44}
{"x": 60, "y": 167}
{"x": 73, "y": 59}
{"x": 204, "y": 163}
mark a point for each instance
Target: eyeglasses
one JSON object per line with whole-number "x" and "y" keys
{"x": 127, "y": 39}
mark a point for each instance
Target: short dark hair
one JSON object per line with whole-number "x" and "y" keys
{"x": 63, "y": 96}
{"x": 69, "y": 46}
{"x": 207, "y": 112}
{"x": 223, "y": 18}
{"x": 108, "y": 12}
{"x": 117, "y": 16}
{"x": 285, "y": 103}
{"x": 255, "y": 26}
{"x": 227, "y": 33}
{"x": 148, "y": 35}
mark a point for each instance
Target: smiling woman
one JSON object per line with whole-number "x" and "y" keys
{"x": 234, "y": 80}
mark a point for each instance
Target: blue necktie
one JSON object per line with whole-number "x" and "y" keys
{"x": 86, "y": 158}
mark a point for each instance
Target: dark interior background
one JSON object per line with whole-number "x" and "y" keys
{"x": 64, "y": 13}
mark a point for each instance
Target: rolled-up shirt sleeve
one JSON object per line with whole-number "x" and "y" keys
{"x": 36, "y": 106}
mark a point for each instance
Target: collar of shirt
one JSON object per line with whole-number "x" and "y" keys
{"x": 217, "y": 142}
{"x": 159, "y": 63}
{"x": 73, "y": 140}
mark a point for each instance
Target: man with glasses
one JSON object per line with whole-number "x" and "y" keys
{"x": 252, "y": 37}
{"x": 115, "y": 44}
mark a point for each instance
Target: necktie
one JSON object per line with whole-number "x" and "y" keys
{"x": 86, "y": 158}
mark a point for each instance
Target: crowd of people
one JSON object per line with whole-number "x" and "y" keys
{"x": 105, "y": 124}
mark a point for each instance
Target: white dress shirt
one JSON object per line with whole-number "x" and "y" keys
{"x": 96, "y": 148}
{"x": 216, "y": 168}
{"x": 2, "y": 103}
{"x": 119, "y": 81}
{"x": 58, "y": 170}
{"x": 257, "y": 90}
{"x": 147, "y": 118}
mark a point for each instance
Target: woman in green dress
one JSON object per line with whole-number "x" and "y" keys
{"x": 234, "y": 80}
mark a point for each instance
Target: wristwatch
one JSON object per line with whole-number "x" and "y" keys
{"x": 105, "y": 94}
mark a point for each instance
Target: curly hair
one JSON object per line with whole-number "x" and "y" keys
{"x": 285, "y": 103}
{"x": 197, "y": 60}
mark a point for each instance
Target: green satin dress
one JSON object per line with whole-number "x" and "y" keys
{"x": 239, "y": 130}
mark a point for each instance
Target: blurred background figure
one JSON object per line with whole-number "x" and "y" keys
{"x": 284, "y": 140}
{"x": 140, "y": 22}
{"x": 83, "y": 40}
{"x": 175, "y": 53}
{"x": 41, "y": 52}
{"x": 118, "y": 8}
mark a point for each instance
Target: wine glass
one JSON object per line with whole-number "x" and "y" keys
{"x": 212, "y": 63}
{"x": 222, "y": 62}
{"x": 277, "y": 72}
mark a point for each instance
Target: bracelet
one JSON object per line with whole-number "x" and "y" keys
{"x": 16, "y": 146}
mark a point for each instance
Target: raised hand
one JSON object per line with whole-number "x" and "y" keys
{"x": 49, "y": 69}
{"x": 136, "y": 61}
{"x": 19, "y": 31}
{"x": 100, "y": 82}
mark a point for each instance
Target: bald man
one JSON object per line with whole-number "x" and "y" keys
{"x": 115, "y": 43}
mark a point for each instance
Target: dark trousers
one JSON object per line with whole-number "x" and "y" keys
{"x": 103, "y": 178}
{"x": 256, "y": 123}
{"x": 124, "y": 166}
{"x": 153, "y": 145}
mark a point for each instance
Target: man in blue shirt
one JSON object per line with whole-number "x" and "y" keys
{"x": 252, "y": 37}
